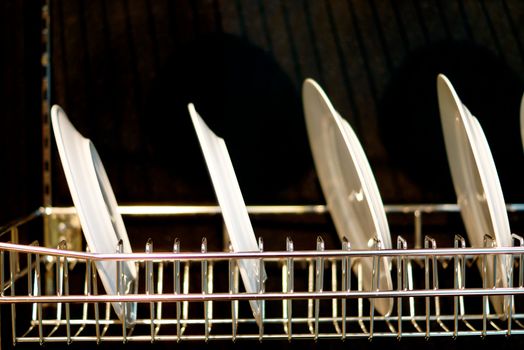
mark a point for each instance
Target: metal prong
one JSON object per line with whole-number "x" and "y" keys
{"x": 417, "y": 214}
{"x": 288, "y": 287}
{"x": 14, "y": 239}
{"x": 185, "y": 303}
{"x": 459, "y": 242}
{"x": 515, "y": 238}
{"x": 410, "y": 284}
{"x": 37, "y": 292}
{"x": 261, "y": 290}
{"x": 59, "y": 271}
{"x": 95, "y": 305}
{"x": 92, "y": 275}
{"x": 360, "y": 288}
{"x": 375, "y": 285}
{"x": 488, "y": 243}
{"x": 160, "y": 289}
{"x": 310, "y": 289}
{"x": 176, "y": 283}
{"x": 150, "y": 288}
{"x": 66, "y": 292}
{"x": 87, "y": 293}
{"x": 346, "y": 282}
{"x": 428, "y": 243}
{"x": 120, "y": 275}
{"x": 12, "y": 274}
{"x": 319, "y": 283}
{"x": 32, "y": 276}
{"x": 401, "y": 282}
{"x": 233, "y": 289}
{"x": 334, "y": 301}
{"x": 204, "y": 280}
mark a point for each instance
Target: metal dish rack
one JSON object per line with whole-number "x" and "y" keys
{"x": 54, "y": 295}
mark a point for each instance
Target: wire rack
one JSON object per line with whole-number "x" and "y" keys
{"x": 55, "y": 295}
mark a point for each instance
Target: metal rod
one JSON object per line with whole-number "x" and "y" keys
{"x": 521, "y": 275}
{"x": 514, "y": 239}
{"x": 413, "y": 253}
{"x": 36, "y": 292}
{"x": 334, "y": 302}
{"x": 185, "y": 291}
{"x": 319, "y": 282}
{"x": 87, "y": 291}
{"x": 65, "y": 269}
{"x": 233, "y": 288}
{"x": 150, "y": 289}
{"x": 95, "y": 305}
{"x": 120, "y": 275}
{"x": 346, "y": 283}
{"x": 261, "y": 290}
{"x": 176, "y": 284}
{"x": 160, "y": 289}
{"x": 375, "y": 285}
{"x": 417, "y": 215}
{"x": 288, "y": 277}
{"x": 459, "y": 242}
{"x": 488, "y": 241}
{"x": 198, "y": 297}
{"x": 204, "y": 280}
{"x": 2, "y": 274}
{"x": 427, "y": 241}
{"x": 360, "y": 284}
{"x": 20, "y": 221}
{"x": 272, "y": 320}
{"x": 12, "y": 273}
{"x": 401, "y": 282}
{"x": 310, "y": 289}
{"x": 173, "y": 210}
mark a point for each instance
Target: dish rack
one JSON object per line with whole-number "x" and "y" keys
{"x": 55, "y": 295}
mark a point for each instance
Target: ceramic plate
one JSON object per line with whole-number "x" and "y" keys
{"x": 96, "y": 207}
{"x": 348, "y": 184}
{"x": 479, "y": 194}
{"x": 232, "y": 205}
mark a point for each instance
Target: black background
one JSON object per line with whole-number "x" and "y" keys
{"x": 124, "y": 72}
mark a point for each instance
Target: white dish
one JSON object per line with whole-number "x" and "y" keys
{"x": 232, "y": 204}
{"x": 96, "y": 207}
{"x": 348, "y": 184}
{"x": 479, "y": 194}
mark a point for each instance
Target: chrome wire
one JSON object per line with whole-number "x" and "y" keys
{"x": 314, "y": 296}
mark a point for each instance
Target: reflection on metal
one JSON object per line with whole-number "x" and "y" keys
{"x": 63, "y": 227}
{"x": 64, "y": 230}
{"x": 312, "y": 298}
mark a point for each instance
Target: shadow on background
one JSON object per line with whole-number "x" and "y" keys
{"x": 410, "y": 121}
{"x": 245, "y": 98}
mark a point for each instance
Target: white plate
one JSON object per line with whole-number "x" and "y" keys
{"x": 232, "y": 205}
{"x": 493, "y": 184}
{"x": 370, "y": 183}
{"x": 96, "y": 207}
{"x": 348, "y": 184}
{"x": 479, "y": 194}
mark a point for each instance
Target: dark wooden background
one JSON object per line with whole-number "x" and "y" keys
{"x": 124, "y": 71}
